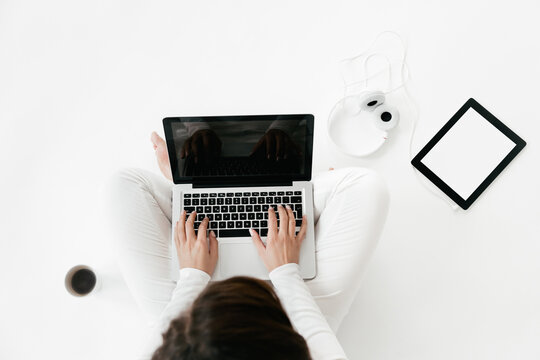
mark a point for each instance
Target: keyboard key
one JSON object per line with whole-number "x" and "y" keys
{"x": 232, "y": 208}
{"x": 207, "y": 209}
{"x": 189, "y": 209}
{"x": 196, "y": 224}
{"x": 256, "y": 207}
{"x": 195, "y": 201}
{"x": 255, "y": 223}
{"x": 289, "y": 193}
{"x": 269, "y": 200}
{"x": 249, "y": 208}
{"x": 264, "y": 223}
{"x": 241, "y": 208}
{"x": 238, "y": 224}
{"x": 204, "y": 195}
{"x": 213, "y": 195}
{"x": 224, "y": 208}
{"x": 230, "y": 224}
{"x": 251, "y": 216}
{"x": 280, "y": 193}
{"x": 234, "y": 233}
{"x": 234, "y": 216}
{"x": 187, "y": 202}
{"x": 204, "y": 201}
{"x": 230, "y": 194}
{"x": 255, "y": 194}
{"x": 259, "y": 215}
{"x": 252, "y": 200}
{"x": 221, "y": 194}
{"x": 247, "y": 224}
{"x": 218, "y": 217}
{"x": 227, "y": 216}
{"x": 212, "y": 201}
{"x": 228, "y": 201}
{"x": 196, "y": 195}
{"x": 265, "y": 207}
{"x": 298, "y": 192}
{"x": 245, "y": 200}
{"x": 247, "y": 194}
{"x": 213, "y": 225}
{"x": 200, "y": 217}
{"x": 220, "y": 201}
{"x": 285, "y": 200}
{"x": 199, "y": 209}
{"x": 266, "y": 215}
{"x": 298, "y": 222}
{"x": 215, "y": 209}
{"x": 222, "y": 224}
{"x": 187, "y": 195}
{"x": 296, "y": 199}
{"x": 236, "y": 200}
{"x": 243, "y": 216}
{"x": 238, "y": 194}
{"x": 263, "y": 232}
{"x": 210, "y": 216}
{"x": 260, "y": 200}
{"x": 264, "y": 193}
{"x": 298, "y": 208}
{"x": 272, "y": 193}
{"x": 277, "y": 200}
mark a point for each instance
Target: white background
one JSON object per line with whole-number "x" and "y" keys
{"x": 82, "y": 85}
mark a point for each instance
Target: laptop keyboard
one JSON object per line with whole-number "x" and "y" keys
{"x": 233, "y": 214}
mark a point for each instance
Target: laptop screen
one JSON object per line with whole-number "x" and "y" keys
{"x": 247, "y": 149}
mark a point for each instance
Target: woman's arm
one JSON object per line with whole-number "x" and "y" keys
{"x": 281, "y": 255}
{"x": 198, "y": 258}
{"x": 304, "y": 313}
{"x": 189, "y": 286}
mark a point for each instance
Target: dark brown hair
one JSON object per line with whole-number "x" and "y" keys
{"x": 238, "y": 318}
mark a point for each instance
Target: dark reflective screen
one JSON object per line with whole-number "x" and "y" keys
{"x": 241, "y": 146}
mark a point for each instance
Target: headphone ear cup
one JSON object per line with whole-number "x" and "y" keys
{"x": 386, "y": 117}
{"x": 370, "y": 100}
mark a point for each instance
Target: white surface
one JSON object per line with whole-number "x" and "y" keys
{"x": 82, "y": 84}
{"x": 468, "y": 153}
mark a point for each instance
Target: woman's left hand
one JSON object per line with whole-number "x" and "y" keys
{"x": 194, "y": 250}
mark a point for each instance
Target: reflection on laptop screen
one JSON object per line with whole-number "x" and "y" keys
{"x": 236, "y": 146}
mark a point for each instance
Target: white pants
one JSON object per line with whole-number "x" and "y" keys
{"x": 350, "y": 210}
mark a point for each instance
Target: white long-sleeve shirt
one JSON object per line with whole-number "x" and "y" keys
{"x": 300, "y": 306}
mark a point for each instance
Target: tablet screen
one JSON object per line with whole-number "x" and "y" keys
{"x": 468, "y": 153}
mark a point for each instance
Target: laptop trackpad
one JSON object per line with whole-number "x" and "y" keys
{"x": 240, "y": 259}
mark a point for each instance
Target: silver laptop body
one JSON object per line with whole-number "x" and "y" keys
{"x": 231, "y": 170}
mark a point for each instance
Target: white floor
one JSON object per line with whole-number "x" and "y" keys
{"x": 82, "y": 85}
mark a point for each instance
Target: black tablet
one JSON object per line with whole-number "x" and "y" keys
{"x": 468, "y": 153}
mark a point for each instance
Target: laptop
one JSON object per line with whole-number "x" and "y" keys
{"x": 232, "y": 169}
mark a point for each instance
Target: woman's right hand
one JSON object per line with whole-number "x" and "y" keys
{"x": 194, "y": 250}
{"x": 282, "y": 245}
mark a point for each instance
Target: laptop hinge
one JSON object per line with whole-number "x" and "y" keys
{"x": 202, "y": 184}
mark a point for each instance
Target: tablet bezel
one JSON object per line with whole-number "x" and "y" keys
{"x": 466, "y": 203}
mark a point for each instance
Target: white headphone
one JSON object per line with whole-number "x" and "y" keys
{"x": 383, "y": 118}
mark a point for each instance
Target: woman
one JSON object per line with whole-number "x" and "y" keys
{"x": 243, "y": 318}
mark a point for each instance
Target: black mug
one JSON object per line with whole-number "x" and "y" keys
{"x": 81, "y": 280}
